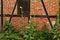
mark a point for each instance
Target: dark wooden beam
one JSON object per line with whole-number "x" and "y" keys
{"x": 1, "y": 14}
{"x": 13, "y": 11}
{"x": 41, "y": 16}
{"x": 44, "y": 7}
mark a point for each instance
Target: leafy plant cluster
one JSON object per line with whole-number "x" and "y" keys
{"x": 31, "y": 32}
{"x": 9, "y": 32}
{"x": 56, "y": 29}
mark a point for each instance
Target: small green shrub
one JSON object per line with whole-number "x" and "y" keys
{"x": 56, "y": 33}
{"x": 28, "y": 32}
{"x": 43, "y": 34}
{"x": 9, "y": 32}
{"x": 56, "y": 29}
{"x": 9, "y": 28}
{"x": 32, "y": 32}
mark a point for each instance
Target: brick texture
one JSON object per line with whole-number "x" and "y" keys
{"x": 8, "y": 6}
{"x": 36, "y": 8}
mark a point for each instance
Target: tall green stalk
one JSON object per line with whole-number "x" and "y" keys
{"x": 22, "y": 20}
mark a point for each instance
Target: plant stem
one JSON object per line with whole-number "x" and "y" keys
{"x": 22, "y": 20}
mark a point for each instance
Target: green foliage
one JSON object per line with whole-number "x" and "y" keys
{"x": 56, "y": 29}
{"x": 6, "y": 36}
{"x": 43, "y": 34}
{"x": 56, "y": 33}
{"x": 28, "y": 32}
{"x": 32, "y": 32}
{"x": 9, "y": 28}
{"x": 9, "y": 32}
{"x": 58, "y": 19}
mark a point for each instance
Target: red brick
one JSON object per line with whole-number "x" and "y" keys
{"x": 36, "y": 8}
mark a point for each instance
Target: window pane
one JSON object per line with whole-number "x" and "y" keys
{"x": 25, "y": 4}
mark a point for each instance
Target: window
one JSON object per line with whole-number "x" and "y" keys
{"x": 25, "y": 4}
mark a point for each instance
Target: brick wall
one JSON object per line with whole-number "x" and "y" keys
{"x": 51, "y": 5}
{"x": 36, "y": 8}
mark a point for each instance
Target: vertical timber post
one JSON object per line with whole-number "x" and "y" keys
{"x": 29, "y": 12}
{"x": 1, "y": 15}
